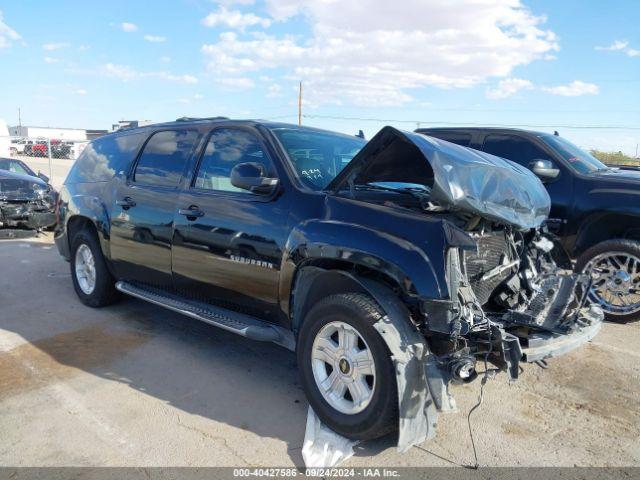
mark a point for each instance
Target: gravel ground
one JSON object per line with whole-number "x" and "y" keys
{"x": 135, "y": 385}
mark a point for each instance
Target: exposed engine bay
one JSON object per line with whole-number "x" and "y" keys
{"x": 511, "y": 296}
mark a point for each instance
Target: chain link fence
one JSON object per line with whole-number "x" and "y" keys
{"x": 36, "y": 155}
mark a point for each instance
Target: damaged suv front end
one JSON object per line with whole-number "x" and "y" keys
{"x": 25, "y": 202}
{"x": 510, "y": 294}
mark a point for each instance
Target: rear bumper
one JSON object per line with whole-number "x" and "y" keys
{"x": 543, "y": 345}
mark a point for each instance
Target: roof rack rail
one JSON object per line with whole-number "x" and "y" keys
{"x": 191, "y": 119}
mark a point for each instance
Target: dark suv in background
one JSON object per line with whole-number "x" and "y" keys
{"x": 595, "y": 209}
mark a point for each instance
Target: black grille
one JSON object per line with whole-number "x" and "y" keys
{"x": 491, "y": 249}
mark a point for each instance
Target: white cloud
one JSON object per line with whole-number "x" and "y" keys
{"x": 234, "y": 19}
{"x": 50, "y": 47}
{"x": 274, "y": 91}
{"x": 379, "y": 58}
{"x": 190, "y": 79}
{"x": 622, "y": 46}
{"x": 165, "y": 59}
{"x": 126, "y": 73}
{"x": 128, "y": 27}
{"x": 155, "y": 38}
{"x": 236, "y": 83}
{"x": 617, "y": 45}
{"x": 51, "y": 60}
{"x": 574, "y": 89}
{"x": 7, "y": 34}
{"x": 80, "y": 91}
{"x": 508, "y": 87}
{"x": 121, "y": 72}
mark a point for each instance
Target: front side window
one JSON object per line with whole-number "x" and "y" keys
{"x": 516, "y": 149}
{"x": 317, "y": 156}
{"x": 577, "y": 158}
{"x": 164, "y": 157}
{"x": 226, "y": 148}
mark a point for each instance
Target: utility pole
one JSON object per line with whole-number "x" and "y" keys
{"x": 19, "y": 122}
{"x": 300, "y": 105}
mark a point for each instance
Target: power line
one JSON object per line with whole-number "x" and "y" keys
{"x": 364, "y": 119}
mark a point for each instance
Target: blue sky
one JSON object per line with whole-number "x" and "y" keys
{"x": 364, "y": 64}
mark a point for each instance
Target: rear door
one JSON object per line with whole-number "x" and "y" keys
{"x": 524, "y": 151}
{"x": 230, "y": 253}
{"x": 143, "y": 208}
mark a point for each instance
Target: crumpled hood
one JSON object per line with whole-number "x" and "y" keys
{"x": 461, "y": 179}
{"x": 16, "y": 186}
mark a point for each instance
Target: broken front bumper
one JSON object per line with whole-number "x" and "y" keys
{"x": 32, "y": 215}
{"x": 543, "y": 345}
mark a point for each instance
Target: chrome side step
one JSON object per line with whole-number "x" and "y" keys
{"x": 238, "y": 323}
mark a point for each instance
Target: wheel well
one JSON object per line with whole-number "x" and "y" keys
{"x": 77, "y": 224}
{"x": 319, "y": 279}
{"x": 606, "y": 227}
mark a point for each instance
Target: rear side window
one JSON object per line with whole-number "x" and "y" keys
{"x": 516, "y": 149}
{"x": 164, "y": 157}
{"x": 105, "y": 157}
{"x": 459, "y": 138}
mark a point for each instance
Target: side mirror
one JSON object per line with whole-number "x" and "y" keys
{"x": 252, "y": 176}
{"x": 546, "y": 170}
{"x": 43, "y": 177}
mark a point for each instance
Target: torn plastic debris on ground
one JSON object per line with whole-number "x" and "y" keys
{"x": 322, "y": 447}
{"x": 422, "y": 392}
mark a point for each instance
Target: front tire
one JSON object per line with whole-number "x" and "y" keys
{"x": 346, "y": 368}
{"x": 92, "y": 280}
{"x": 615, "y": 269}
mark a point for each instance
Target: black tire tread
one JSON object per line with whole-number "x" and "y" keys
{"x": 105, "y": 292}
{"x": 370, "y": 312}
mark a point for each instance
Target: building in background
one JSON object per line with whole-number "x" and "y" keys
{"x": 129, "y": 124}
{"x": 93, "y": 134}
{"x": 68, "y": 134}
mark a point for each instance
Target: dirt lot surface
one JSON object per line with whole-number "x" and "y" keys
{"x": 136, "y": 385}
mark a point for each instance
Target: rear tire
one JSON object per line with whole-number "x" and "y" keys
{"x": 92, "y": 281}
{"x": 361, "y": 365}
{"x": 616, "y": 267}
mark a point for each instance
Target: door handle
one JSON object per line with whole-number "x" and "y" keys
{"x": 126, "y": 203}
{"x": 191, "y": 212}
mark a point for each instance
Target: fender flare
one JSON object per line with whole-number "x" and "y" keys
{"x": 91, "y": 209}
{"x": 315, "y": 243}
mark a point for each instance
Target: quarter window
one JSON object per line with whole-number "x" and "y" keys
{"x": 164, "y": 157}
{"x": 516, "y": 149}
{"x": 225, "y": 149}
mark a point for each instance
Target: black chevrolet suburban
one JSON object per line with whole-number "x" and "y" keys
{"x": 595, "y": 209}
{"x": 391, "y": 267}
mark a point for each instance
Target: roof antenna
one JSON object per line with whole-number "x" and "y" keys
{"x": 360, "y": 134}
{"x": 555, "y": 132}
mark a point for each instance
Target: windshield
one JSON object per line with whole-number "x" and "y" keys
{"x": 577, "y": 158}
{"x": 317, "y": 156}
{"x": 15, "y": 167}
